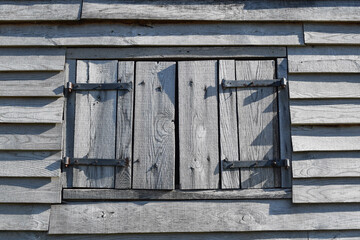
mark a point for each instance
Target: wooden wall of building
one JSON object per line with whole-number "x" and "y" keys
{"x": 319, "y": 39}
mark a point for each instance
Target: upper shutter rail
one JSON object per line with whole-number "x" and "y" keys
{"x": 72, "y": 87}
{"x": 280, "y": 82}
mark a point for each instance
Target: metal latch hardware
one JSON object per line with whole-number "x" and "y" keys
{"x": 256, "y": 164}
{"x": 281, "y": 82}
{"x": 71, "y": 87}
{"x": 95, "y": 162}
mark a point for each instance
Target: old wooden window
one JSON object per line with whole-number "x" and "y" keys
{"x": 175, "y": 126}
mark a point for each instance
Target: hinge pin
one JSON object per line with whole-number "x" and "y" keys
{"x": 283, "y": 82}
{"x": 67, "y": 161}
{"x": 69, "y": 87}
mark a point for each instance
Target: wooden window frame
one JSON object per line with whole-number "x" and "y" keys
{"x": 186, "y": 53}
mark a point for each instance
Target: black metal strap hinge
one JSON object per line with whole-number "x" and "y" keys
{"x": 95, "y": 162}
{"x": 72, "y": 87}
{"x": 256, "y": 164}
{"x": 282, "y": 82}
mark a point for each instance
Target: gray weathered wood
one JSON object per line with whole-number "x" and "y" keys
{"x": 34, "y": 110}
{"x": 95, "y": 124}
{"x": 324, "y": 86}
{"x": 258, "y": 124}
{"x": 30, "y": 164}
{"x": 151, "y": 34}
{"x": 110, "y": 194}
{"x": 32, "y": 59}
{"x": 30, "y": 84}
{"x": 325, "y": 190}
{"x": 198, "y": 125}
{"x": 30, "y": 190}
{"x": 229, "y": 145}
{"x": 326, "y": 164}
{"x": 284, "y": 122}
{"x": 321, "y": 59}
{"x": 175, "y": 52}
{"x": 210, "y": 10}
{"x": 317, "y": 112}
{"x": 38, "y": 10}
{"x": 30, "y": 136}
{"x": 126, "y": 72}
{"x": 154, "y": 126}
{"x": 24, "y": 217}
{"x": 334, "y": 235}
{"x": 201, "y": 216}
{"x": 328, "y": 34}
{"x": 162, "y": 236}
{"x": 334, "y": 138}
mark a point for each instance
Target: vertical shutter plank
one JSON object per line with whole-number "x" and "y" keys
{"x": 198, "y": 125}
{"x": 154, "y": 126}
{"x": 228, "y": 125}
{"x": 257, "y": 114}
{"x": 95, "y": 124}
{"x": 284, "y": 123}
{"x": 124, "y": 125}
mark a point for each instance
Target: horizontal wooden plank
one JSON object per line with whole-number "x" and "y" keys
{"x": 38, "y": 10}
{"x": 326, "y": 190}
{"x": 34, "y": 110}
{"x": 334, "y": 235}
{"x": 320, "y": 86}
{"x": 200, "y": 216}
{"x": 348, "y": 34}
{"x": 317, "y": 112}
{"x": 30, "y": 84}
{"x": 248, "y": 10}
{"x": 30, "y": 137}
{"x": 151, "y": 34}
{"x": 322, "y": 59}
{"x": 325, "y": 138}
{"x": 30, "y": 164}
{"x": 30, "y": 190}
{"x": 32, "y": 59}
{"x": 160, "y": 236}
{"x": 111, "y": 194}
{"x": 174, "y": 53}
{"x": 24, "y": 217}
{"x": 326, "y": 164}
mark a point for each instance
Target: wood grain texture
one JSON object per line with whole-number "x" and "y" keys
{"x": 326, "y": 164}
{"x": 154, "y": 126}
{"x": 39, "y": 10}
{"x": 284, "y": 122}
{"x": 201, "y": 216}
{"x": 304, "y": 86}
{"x": 322, "y": 59}
{"x": 315, "y": 112}
{"x": 329, "y": 138}
{"x": 110, "y": 194}
{"x": 343, "y": 190}
{"x": 172, "y": 53}
{"x": 34, "y": 110}
{"x": 30, "y": 163}
{"x": 326, "y": 34}
{"x": 334, "y": 235}
{"x": 31, "y": 84}
{"x": 95, "y": 124}
{"x": 32, "y": 59}
{"x": 30, "y": 190}
{"x": 257, "y": 123}
{"x": 161, "y": 236}
{"x": 198, "y": 125}
{"x": 30, "y": 136}
{"x": 210, "y": 10}
{"x": 151, "y": 34}
{"x": 124, "y": 128}
{"x": 24, "y": 217}
{"x": 229, "y": 145}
